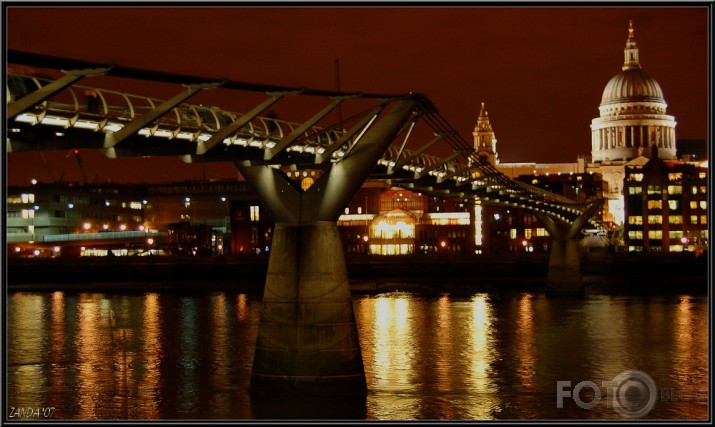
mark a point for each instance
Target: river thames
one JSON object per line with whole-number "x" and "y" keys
{"x": 507, "y": 356}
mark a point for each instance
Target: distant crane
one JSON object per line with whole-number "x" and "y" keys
{"x": 79, "y": 163}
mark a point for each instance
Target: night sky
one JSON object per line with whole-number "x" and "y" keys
{"x": 540, "y": 70}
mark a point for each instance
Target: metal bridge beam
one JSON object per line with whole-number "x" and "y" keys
{"x": 287, "y": 141}
{"x": 26, "y": 102}
{"x": 425, "y": 171}
{"x": 416, "y": 153}
{"x": 223, "y": 133}
{"x": 363, "y": 124}
{"x": 112, "y": 139}
{"x": 307, "y": 336}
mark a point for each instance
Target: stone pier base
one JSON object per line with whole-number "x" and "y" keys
{"x": 307, "y": 338}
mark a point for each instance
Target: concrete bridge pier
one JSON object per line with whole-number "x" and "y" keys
{"x": 564, "y": 274}
{"x": 307, "y": 337}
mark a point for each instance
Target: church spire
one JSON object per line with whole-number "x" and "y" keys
{"x": 485, "y": 142}
{"x": 630, "y": 53}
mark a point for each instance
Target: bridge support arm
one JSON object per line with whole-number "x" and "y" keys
{"x": 307, "y": 336}
{"x": 564, "y": 274}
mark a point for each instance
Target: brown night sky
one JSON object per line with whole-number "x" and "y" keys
{"x": 540, "y": 70}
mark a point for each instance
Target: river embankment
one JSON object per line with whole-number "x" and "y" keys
{"x": 433, "y": 273}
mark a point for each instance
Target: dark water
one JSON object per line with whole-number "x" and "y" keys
{"x": 477, "y": 357}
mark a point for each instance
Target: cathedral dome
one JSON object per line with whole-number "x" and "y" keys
{"x": 632, "y": 115}
{"x": 632, "y": 85}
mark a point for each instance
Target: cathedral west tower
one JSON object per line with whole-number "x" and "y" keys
{"x": 485, "y": 142}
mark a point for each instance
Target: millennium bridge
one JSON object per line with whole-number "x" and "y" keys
{"x": 307, "y": 339}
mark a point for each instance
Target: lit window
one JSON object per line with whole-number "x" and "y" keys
{"x": 693, "y": 204}
{"x": 28, "y": 213}
{"x": 306, "y": 183}
{"x": 675, "y": 219}
{"x": 677, "y": 234}
{"x": 527, "y": 233}
{"x": 673, "y": 204}
{"x": 702, "y": 175}
{"x": 512, "y": 233}
{"x": 703, "y": 204}
{"x": 693, "y": 219}
{"x": 255, "y": 213}
{"x": 635, "y": 220}
{"x": 135, "y": 205}
{"x": 655, "y": 234}
{"x": 675, "y": 176}
{"x": 655, "y": 219}
{"x": 703, "y": 189}
{"x": 655, "y": 204}
{"x": 694, "y": 190}
{"x": 675, "y": 189}
{"x": 635, "y": 235}
{"x": 541, "y": 232}
{"x": 703, "y": 219}
{"x": 635, "y": 190}
{"x": 654, "y": 189}
{"x": 636, "y": 177}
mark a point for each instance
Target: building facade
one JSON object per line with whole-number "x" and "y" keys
{"x": 666, "y": 207}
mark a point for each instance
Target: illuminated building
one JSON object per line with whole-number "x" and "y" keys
{"x": 386, "y": 220}
{"x": 631, "y": 120}
{"x": 666, "y": 207}
{"x": 44, "y": 213}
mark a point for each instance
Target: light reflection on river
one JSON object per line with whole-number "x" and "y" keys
{"x": 478, "y": 357}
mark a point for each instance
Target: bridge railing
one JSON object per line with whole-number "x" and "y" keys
{"x": 101, "y": 109}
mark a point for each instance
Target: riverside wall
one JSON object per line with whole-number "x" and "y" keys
{"x": 434, "y": 273}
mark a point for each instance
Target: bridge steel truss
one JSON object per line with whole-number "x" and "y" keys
{"x": 307, "y": 336}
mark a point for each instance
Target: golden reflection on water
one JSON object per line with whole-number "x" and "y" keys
{"x": 445, "y": 343}
{"x": 150, "y": 361}
{"x": 94, "y": 345}
{"x": 153, "y": 356}
{"x": 480, "y": 355}
{"x": 219, "y": 346}
{"x": 525, "y": 342}
{"x": 29, "y": 339}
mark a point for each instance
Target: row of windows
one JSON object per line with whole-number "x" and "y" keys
{"x": 671, "y": 248}
{"x": 528, "y": 233}
{"x": 22, "y": 198}
{"x": 656, "y": 234}
{"x": 672, "y": 219}
{"x": 675, "y": 204}
{"x": 672, "y": 176}
{"x": 672, "y": 189}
